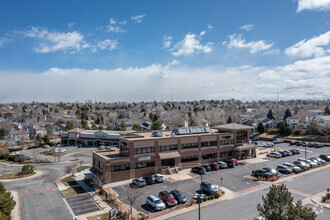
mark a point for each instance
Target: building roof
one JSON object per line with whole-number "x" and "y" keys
{"x": 232, "y": 127}
{"x": 294, "y": 118}
{"x": 20, "y": 132}
{"x": 77, "y": 130}
{"x": 324, "y": 117}
{"x": 245, "y": 147}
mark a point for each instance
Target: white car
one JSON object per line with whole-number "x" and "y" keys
{"x": 159, "y": 178}
{"x": 15, "y": 153}
{"x": 45, "y": 146}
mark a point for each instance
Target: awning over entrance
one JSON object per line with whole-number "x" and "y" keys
{"x": 245, "y": 147}
{"x": 169, "y": 155}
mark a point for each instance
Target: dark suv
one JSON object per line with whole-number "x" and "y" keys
{"x": 209, "y": 188}
{"x": 230, "y": 163}
{"x": 198, "y": 170}
{"x": 149, "y": 180}
{"x": 207, "y": 168}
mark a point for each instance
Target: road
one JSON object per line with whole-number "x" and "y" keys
{"x": 244, "y": 206}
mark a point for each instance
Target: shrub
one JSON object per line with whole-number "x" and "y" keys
{"x": 299, "y": 131}
{"x": 213, "y": 196}
{"x": 217, "y": 195}
{"x": 27, "y": 169}
{"x": 19, "y": 158}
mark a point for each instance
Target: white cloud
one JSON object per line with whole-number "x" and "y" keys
{"x": 138, "y": 18}
{"x": 312, "y": 47}
{"x": 209, "y": 26}
{"x": 321, "y": 5}
{"x": 57, "y": 41}
{"x": 71, "y": 24}
{"x": 190, "y": 45}
{"x": 107, "y": 44}
{"x": 4, "y": 40}
{"x": 236, "y": 41}
{"x": 116, "y": 29}
{"x": 167, "y": 41}
{"x": 202, "y": 33}
{"x": 113, "y": 21}
{"x": 300, "y": 80}
{"x": 247, "y": 27}
{"x": 272, "y": 52}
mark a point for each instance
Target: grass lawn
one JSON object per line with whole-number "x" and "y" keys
{"x": 69, "y": 181}
{"x": 265, "y": 135}
{"x": 47, "y": 153}
{"x": 79, "y": 169}
{"x": 14, "y": 175}
{"x": 72, "y": 191}
{"x": 104, "y": 216}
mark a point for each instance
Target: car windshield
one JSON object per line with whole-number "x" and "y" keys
{"x": 212, "y": 187}
{"x": 158, "y": 201}
{"x": 168, "y": 197}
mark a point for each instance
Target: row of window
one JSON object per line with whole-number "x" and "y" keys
{"x": 144, "y": 150}
{"x": 167, "y": 147}
{"x": 189, "y": 159}
{"x": 209, "y": 143}
{"x": 226, "y": 142}
{"x": 139, "y": 165}
{"x": 144, "y": 164}
{"x": 227, "y": 154}
{"x": 120, "y": 168}
{"x": 189, "y": 145}
{"x": 209, "y": 156}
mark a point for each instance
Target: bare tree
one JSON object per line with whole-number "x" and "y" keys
{"x": 132, "y": 195}
{"x": 326, "y": 132}
{"x": 35, "y": 154}
{"x": 70, "y": 170}
{"x": 98, "y": 180}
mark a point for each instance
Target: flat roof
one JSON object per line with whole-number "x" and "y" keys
{"x": 111, "y": 154}
{"x": 232, "y": 127}
{"x": 166, "y": 134}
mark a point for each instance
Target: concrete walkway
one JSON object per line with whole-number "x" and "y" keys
{"x": 317, "y": 199}
{"x": 16, "y": 212}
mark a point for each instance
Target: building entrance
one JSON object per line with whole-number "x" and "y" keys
{"x": 168, "y": 162}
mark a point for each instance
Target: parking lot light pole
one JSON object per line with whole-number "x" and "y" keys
{"x": 305, "y": 151}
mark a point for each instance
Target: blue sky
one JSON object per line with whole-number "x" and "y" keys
{"x": 145, "y": 50}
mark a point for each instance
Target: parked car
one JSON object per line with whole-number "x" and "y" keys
{"x": 236, "y": 161}
{"x": 214, "y": 166}
{"x": 318, "y": 145}
{"x": 159, "y": 178}
{"x": 311, "y": 144}
{"x": 28, "y": 157}
{"x": 209, "y": 188}
{"x": 271, "y": 170}
{"x": 309, "y": 162}
{"x": 139, "y": 182}
{"x": 305, "y": 144}
{"x": 149, "y": 180}
{"x": 325, "y": 157}
{"x": 207, "y": 167}
{"x": 301, "y": 164}
{"x": 277, "y": 141}
{"x": 294, "y": 168}
{"x": 198, "y": 170}
{"x": 318, "y": 159}
{"x": 45, "y": 146}
{"x": 167, "y": 198}
{"x": 274, "y": 155}
{"x": 179, "y": 197}
{"x": 283, "y": 154}
{"x": 14, "y": 153}
{"x": 288, "y": 153}
{"x": 299, "y": 143}
{"x": 230, "y": 163}
{"x": 315, "y": 160}
{"x": 293, "y": 142}
{"x": 294, "y": 151}
{"x": 156, "y": 203}
{"x": 269, "y": 144}
{"x": 262, "y": 173}
{"x": 255, "y": 139}
{"x": 261, "y": 145}
{"x": 283, "y": 169}
{"x": 222, "y": 165}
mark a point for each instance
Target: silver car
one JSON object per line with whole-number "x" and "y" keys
{"x": 159, "y": 178}
{"x": 156, "y": 203}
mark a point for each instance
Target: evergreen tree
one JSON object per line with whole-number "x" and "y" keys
{"x": 327, "y": 110}
{"x": 287, "y": 113}
{"x": 155, "y": 118}
{"x": 157, "y": 125}
{"x": 136, "y": 127}
{"x": 278, "y": 205}
{"x": 69, "y": 125}
{"x": 270, "y": 114}
{"x": 7, "y": 203}
{"x": 123, "y": 126}
{"x": 281, "y": 127}
{"x": 313, "y": 128}
{"x": 229, "y": 120}
{"x": 261, "y": 128}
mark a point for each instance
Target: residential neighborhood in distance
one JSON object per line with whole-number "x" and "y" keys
{"x": 165, "y": 110}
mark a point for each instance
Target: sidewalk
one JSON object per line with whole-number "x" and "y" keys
{"x": 16, "y": 212}
{"x": 317, "y": 198}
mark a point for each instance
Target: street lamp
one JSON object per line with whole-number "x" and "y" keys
{"x": 199, "y": 197}
{"x": 305, "y": 151}
{"x": 221, "y": 182}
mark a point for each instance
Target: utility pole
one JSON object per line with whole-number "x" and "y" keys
{"x": 305, "y": 151}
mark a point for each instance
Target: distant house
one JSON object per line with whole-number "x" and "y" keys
{"x": 18, "y": 125}
{"x": 294, "y": 122}
{"x": 21, "y": 135}
{"x": 8, "y": 115}
{"x": 314, "y": 113}
{"x": 323, "y": 120}
{"x": 268, "y": 123}
{"x": 53, "y": 129}
{"x": 35, "y": 130}
{"x": 246, "y": 121}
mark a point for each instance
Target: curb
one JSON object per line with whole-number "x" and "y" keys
{"x": 37, "y": 173}
{"x": 16, "y": 212}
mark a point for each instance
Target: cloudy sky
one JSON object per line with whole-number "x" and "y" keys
{"x": 139, "y": 50}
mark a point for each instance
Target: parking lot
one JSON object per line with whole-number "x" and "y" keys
{"x": 82, "y": 204}
{"x": 233, "y": 178}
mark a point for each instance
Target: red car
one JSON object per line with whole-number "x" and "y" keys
{"x": 214, "y": 166}
{"x": 167, "y": 198}
{"x": 236, "y": 162}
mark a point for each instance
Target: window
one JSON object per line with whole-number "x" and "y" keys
{"x": 167, "y": 147}
{"x": 102, "y": 166}
{"x": 241, "y": 136}
{"x": 123, "y": 148}
{"x": 209, "y": 143}
{"x": 144, "y": 164}
{"x": 189, "y": 145}
{"x": 227, "y": 154}
{"x": 209, "y": 156}
{"x": 226, "y": 142}
{"x": 189, "y": 159}
{"x": 120, "y": 168}
{"x": 144, "y": 150}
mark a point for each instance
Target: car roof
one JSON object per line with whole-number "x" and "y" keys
{"x": 153, "y": 197}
